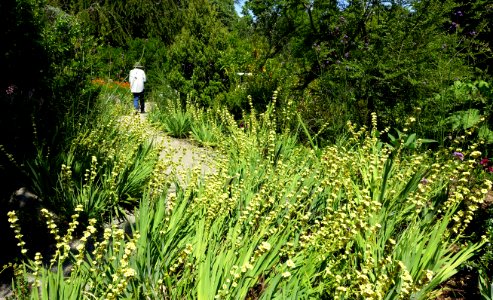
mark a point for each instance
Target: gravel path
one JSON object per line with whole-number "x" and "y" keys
{"x": 182, "y": 153}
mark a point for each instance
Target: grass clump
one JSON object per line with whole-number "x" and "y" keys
{"x": 174, "y": 119}
{"x": 188, "y": 120}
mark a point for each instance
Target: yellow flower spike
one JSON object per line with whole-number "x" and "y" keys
{"x": 286, "y": 274}
{"x": 475, "y": 154}
{"x": 129, "y": 272}
{"x": 290, "y": 263}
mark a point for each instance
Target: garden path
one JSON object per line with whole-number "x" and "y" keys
{"x": 182, "y": 155}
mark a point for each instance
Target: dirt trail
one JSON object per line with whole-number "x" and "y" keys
{"x": 182, "y": 152}
{"x": 181, "y": 155}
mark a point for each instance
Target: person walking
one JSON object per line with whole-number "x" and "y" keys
{"x": 137, "y": 78}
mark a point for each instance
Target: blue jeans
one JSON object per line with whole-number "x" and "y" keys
{"x": 139, "y": 101}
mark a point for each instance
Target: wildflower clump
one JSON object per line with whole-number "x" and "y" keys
{"x": 468, "y": 191}
{"x": 81, "y": 247}
{"x": 13, "y": 220}
{"x": 123, "y": 274}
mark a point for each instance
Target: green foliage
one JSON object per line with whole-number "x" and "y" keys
{"x": 194, "y": 67}
{"x": 406, "y": 141}
{"x": 464, "y": 119}
{"x": 485, "y": 286}
{"x": 177, "y": 124}
{"x": 57, "y": 287}
{"x": 461, "y": 107}
{"x": 364, "y": 57}
{"x": 341, "y": 62}
{"x": 175, "y": 120}
{"x": 118, "y": 22}
{"x": 206, "y": 134}
{"x": 481, "y": 265}
{"x": 69, "y": 52}
{"x": 44, "y": 62}
{"x": 472, "y": 18}
{"x": 485, "y": 276}
{"x": 101, "y": 168}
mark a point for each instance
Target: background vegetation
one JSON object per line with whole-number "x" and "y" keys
{"x": 284, "y": 74}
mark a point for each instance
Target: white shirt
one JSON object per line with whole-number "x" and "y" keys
{"x": 137, "y": 78}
